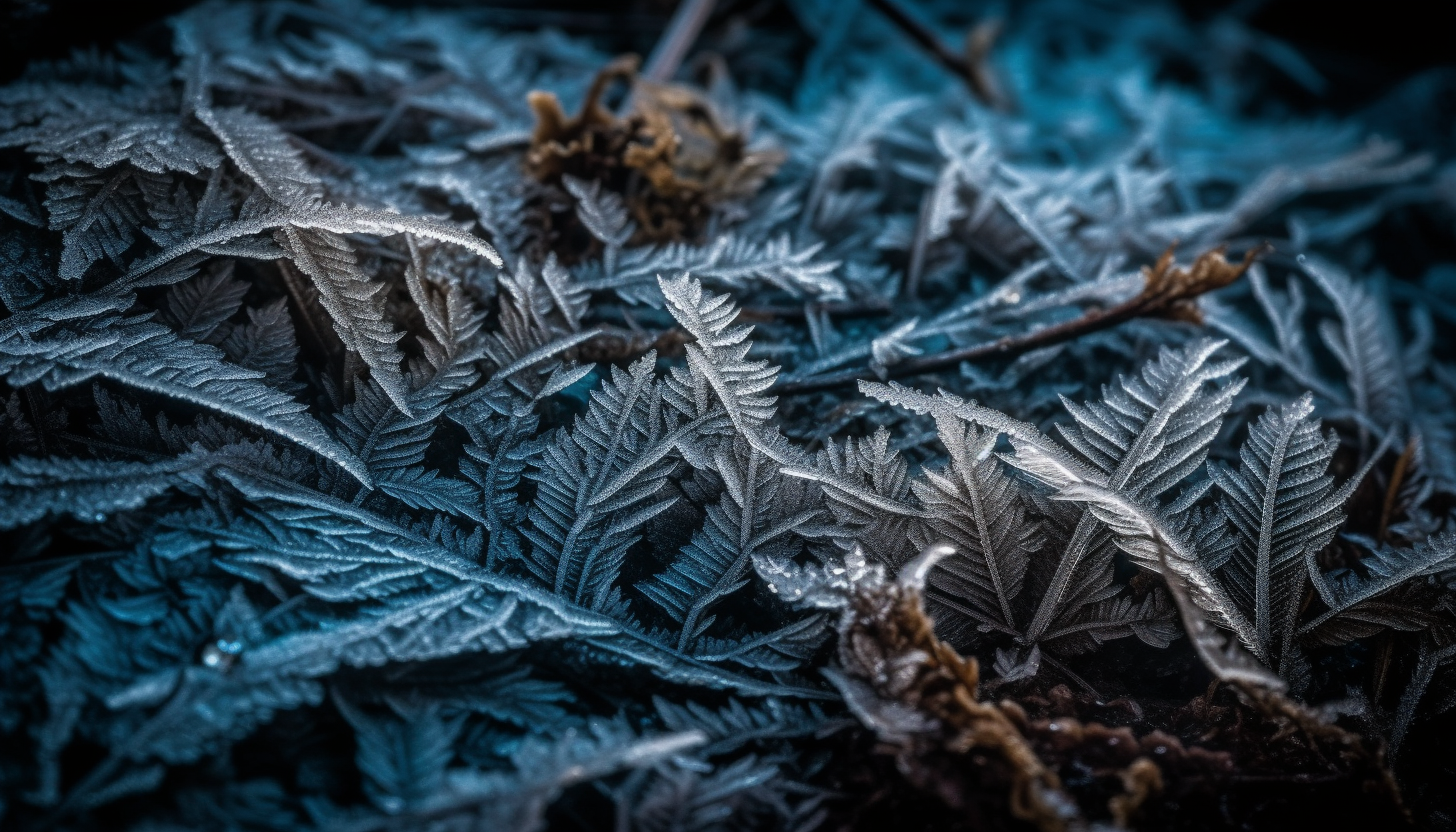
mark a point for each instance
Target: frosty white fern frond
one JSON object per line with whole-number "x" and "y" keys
{"x": 586, "y": 514}
{"x": 1153, "y": 544}
{"x": 975, "y": 507}
{"x": 263, "y": 153}
{"x": 1365, "y": 346}
{"x": 101, "y": 134}
{"x": 1153, "y": 428}
{"x": 64, "y": 343}
{"x": 729, "y": 261}
{"x": 1282, "y": 505}
{"x": 355, "y": 303}
{"x": 605, "y": 216}
{"x": 720, "y": 354}
{"x": 1150, "y": 431}
{"x": 100, "y": 213}
{"x": 1385, "y": 570}
{"x": 866, "y": 485}
{"x": 339, "y": 220}
{"x": 750, "y": 520}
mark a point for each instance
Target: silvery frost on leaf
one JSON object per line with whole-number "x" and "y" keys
{"x": 313, "y": 426}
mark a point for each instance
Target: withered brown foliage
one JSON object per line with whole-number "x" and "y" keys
{"x": 673, "y": 157}
{"x": 1169, "y": 291}
{"x": 1061, "y": 760}
{"x": 888, "y": 642}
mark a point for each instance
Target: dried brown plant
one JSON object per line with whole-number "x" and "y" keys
{"x": 888, "y": 643}
{"x": 673, "y": 157}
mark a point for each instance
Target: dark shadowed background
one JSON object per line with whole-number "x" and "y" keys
{"x": 1363, "y": 54}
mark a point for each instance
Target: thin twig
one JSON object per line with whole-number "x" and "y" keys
{"x": 682, "y": 32}
{"x": 1392, "y": 491}
{"x": 971, "y": 67}
{"x": 1070, "y": 674}
{"x": 1166, "y": 291}
{"x": 913, "y": 272}
{"x": 327, "y": 102}
{"x": 403, "y": 100}
{"x": 328, "y": 158}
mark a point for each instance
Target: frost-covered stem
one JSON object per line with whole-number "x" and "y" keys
{"x": 682, "y": 31}
{"x": 1052, "y": 601}
{"x": 1009, "y": 346}
{"x": 1160, "y": 295}
{"x": 921, "y": 242}
{"x": 745, "y": 549}
{"x": 1430, "y": 661}
{"x": 1264, "y": 564}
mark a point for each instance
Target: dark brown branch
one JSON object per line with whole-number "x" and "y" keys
{"x": 1168, "y": 292}
{"x": 1392, "y": 491}
{"x": 972, "y": 67}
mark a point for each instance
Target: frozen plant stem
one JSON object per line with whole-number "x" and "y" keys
{"x": 1161, "y": 295}
{"x": 682, "y": 32}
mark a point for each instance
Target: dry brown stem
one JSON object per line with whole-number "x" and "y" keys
{"x": 973, "y": 66}
{"x": 1392, "y": 491}
{"x": 1168, "y": 292}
